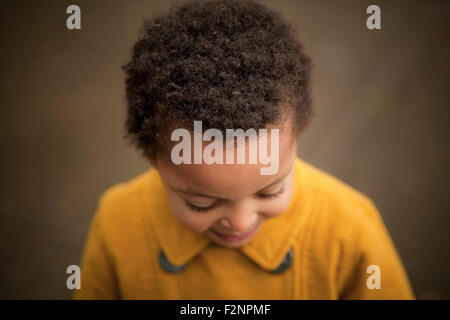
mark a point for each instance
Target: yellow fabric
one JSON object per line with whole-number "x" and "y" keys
{"x": 335, "y": 233}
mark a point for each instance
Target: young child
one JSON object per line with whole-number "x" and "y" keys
{"x": 202, "y": 224}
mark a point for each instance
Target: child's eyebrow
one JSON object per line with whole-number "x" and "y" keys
{"x": 191, "y": 192}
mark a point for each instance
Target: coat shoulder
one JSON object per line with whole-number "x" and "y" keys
{"x": 337, "y": 200}
{"x": 121, "y": 208}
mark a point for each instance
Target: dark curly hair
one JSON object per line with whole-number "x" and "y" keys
{"x": 229, "y": 63}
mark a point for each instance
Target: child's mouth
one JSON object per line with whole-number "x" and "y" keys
{"x": 230, "y": 238}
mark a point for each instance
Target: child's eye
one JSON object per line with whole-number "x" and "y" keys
{"x": 199, "y": 209}
{"x": 271, "y": 195}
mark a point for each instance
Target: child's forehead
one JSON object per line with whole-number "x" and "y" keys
{"x": 229, "y": 181}
{"x": 182, "y": 170}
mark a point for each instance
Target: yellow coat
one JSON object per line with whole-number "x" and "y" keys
{"x": 322, "y": 246}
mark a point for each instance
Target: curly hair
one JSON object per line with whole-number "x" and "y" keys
{"x": 228, "y": 63}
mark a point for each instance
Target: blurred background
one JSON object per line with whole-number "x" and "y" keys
{"x": 381, "y": 99}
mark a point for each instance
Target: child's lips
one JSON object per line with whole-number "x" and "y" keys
{"x": 231, "y": 238}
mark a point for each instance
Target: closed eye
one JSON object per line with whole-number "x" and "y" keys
{"x": 210, "y": 207}
{"x": 199, "y": 209}
{"x": 270, "y": 195}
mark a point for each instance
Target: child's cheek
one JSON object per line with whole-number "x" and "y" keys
{"x": 277, "y": 206}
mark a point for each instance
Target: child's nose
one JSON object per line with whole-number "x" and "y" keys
{"x": 240, "y": 219}
{"x": 224, "y": 222}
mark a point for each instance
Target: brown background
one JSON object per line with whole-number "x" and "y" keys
{"x": 381, "y": 125}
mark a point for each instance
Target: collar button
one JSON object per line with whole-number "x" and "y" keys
{"x": 286, "y": 263}
{"x": 166, "y": 265}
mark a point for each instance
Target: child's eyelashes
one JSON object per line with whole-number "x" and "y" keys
{"x": 212, "y": 206}
{"x": 199, "y": 209}
{"x": 271, "y": 195}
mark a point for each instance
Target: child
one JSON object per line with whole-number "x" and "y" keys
{"x": 204, "y": 223}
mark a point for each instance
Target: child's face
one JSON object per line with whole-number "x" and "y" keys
{"x": 229, "y": 202}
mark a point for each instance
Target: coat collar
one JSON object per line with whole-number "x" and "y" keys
{"x": 268, "y": 247}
